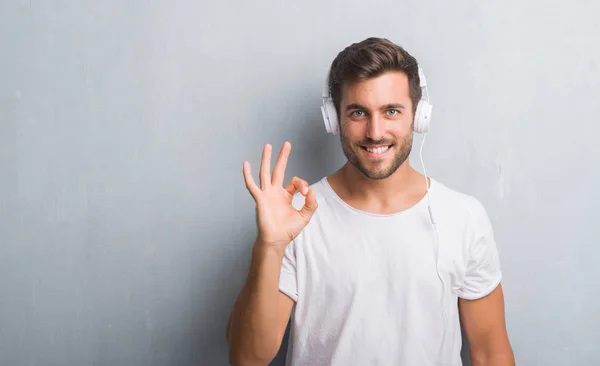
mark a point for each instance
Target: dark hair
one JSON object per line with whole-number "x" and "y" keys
{"x": 371, "y": 58}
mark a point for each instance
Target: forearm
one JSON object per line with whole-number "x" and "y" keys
{"x": 252, "y": 335}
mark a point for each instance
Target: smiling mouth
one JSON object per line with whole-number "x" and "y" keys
{"x": 376, "y": 151}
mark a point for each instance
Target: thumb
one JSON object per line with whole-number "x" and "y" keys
{"x": 310, "y": 205}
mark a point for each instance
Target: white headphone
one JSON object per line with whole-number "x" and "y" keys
{"x": 422, "y": 113}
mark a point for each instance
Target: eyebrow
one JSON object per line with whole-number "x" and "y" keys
{"x": 387, "y": 106}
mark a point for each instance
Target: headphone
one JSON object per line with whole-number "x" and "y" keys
{"x": 422, "y": 113}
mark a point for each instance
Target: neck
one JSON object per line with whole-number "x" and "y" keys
{"x": 397, "y": 192}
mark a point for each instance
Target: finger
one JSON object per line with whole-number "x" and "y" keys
{"x": 250, "y": 185}
{"x": 280, "y": 165}
{"x": 297, "y": 185}
{"x": 310, "y": 205}
{"x": 265, "y": 167}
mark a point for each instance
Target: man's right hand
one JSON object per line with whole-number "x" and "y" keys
{"x": 278, "y": 220}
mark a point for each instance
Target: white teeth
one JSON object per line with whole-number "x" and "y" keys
{"x": 377, "y": 150}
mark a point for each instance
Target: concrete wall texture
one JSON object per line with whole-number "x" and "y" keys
{"x": 125, "y": 226}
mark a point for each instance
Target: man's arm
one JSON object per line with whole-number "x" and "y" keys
{"x": 485, "y": 327}
{"x": 261, "y": 313}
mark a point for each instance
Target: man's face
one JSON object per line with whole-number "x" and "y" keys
{"x": 376, "y": 122}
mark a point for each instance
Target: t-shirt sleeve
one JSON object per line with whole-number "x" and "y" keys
{"x": 482, "y": 273}
{"x": 287, "y": 276}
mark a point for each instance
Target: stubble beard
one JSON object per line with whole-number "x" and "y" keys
{"x": 379, "y": 171}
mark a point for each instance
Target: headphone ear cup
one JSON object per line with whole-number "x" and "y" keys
{"x": 422, "y": 117}
{"x": 330, "y": 117}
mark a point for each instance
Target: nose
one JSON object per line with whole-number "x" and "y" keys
{"x": 375, "y": 127}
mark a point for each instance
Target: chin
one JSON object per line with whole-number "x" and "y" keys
{"x": 378, "y": 174}
{"x": 377, "y": 171}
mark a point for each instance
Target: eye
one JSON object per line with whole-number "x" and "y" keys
{"x": 393, "y": 112}
{"x": 357, "y": 113}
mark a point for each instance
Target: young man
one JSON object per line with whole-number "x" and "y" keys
{"x": 376, "y": 263}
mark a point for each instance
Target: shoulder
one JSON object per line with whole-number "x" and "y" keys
{"x": 458, "y": 205}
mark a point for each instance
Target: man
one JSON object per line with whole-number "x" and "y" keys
{"x": 376, "y": 264}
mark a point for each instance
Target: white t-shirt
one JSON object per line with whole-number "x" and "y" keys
{"x": 366, "y": 286}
